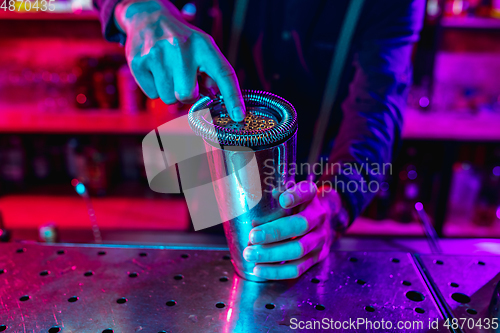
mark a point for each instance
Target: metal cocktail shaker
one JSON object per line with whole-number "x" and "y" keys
{"x": 253, "y": 158}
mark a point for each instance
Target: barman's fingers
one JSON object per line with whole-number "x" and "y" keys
{"x": 283, "y": 228}
{"x": 144, "y": 77}
{"x": 292, "y": 269}
{"x": 219, "y": 69}
{"x": 163, "y": 82}
{"x": 283, "y": 251}
{"x": 301, "y": 193}
{"x": 294, "y": 225}
{"x": 184, "y": 73}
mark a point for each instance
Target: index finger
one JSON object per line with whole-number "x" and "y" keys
{"x": 221, "y": 71}
{"x": 280, "y": 229}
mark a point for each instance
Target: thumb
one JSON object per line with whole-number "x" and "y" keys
{"x": 300, "y": 193}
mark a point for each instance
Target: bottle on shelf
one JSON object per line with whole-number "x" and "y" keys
{"x": 131, "y": 98}
{"x": 84, "y": 92}
{"x": 464, "y": 190}
{"x": 408, "y": 188}
{"x": 486, "y": 209}
{"x": 40, "y": 161}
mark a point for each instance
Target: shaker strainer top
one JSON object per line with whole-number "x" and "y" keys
{"x": 269, "y": 120}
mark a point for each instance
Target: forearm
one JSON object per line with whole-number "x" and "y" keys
{"x": 106, "y": 16}
{"x": 114, "y": 14}
{"x": 370, "y": 131}
{"x": 373, "y": 111}
{"x": 363, "y": 152}
{"x": 137, "y": 13}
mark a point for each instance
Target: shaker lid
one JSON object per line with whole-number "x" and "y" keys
{"x": 270, "y": 120}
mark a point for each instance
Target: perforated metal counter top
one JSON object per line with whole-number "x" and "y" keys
{"x": 47, "y": 288}
{"x": 466, "y": 284}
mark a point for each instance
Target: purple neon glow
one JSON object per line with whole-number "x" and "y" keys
{"x": 419, "y": 206}
{"x": 496, "y": 171}
{"x": 384, "y": 186}
{"x": 423, "y": 102}
{"x": 412, "y": 174}
{"x": 498, "y": 212}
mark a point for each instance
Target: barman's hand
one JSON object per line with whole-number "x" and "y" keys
{"x": 302, "y": 239}
{"x": 166, "y": 54}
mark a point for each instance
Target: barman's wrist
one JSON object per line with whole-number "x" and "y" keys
{"x": 126, "y": 10}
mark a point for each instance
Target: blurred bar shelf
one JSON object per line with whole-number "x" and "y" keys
{"x": 363, "y": 226}
{"x": 457, "y": 228}
{"x": 112, "y": 213}
{"x": 418, "y": 125}
{"x": 431, "y": 125}
{"x": 453, "y": 228}
{"x": 470, "y": 22}
{"x": 47, "y": 15}
{"x": 80, "y": 122}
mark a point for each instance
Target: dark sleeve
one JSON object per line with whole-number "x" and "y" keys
{"x": 373, "y": 109}
{"x": 106, "y": 10}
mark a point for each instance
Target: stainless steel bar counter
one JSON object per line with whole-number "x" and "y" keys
{"x": 87, "y": 288}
